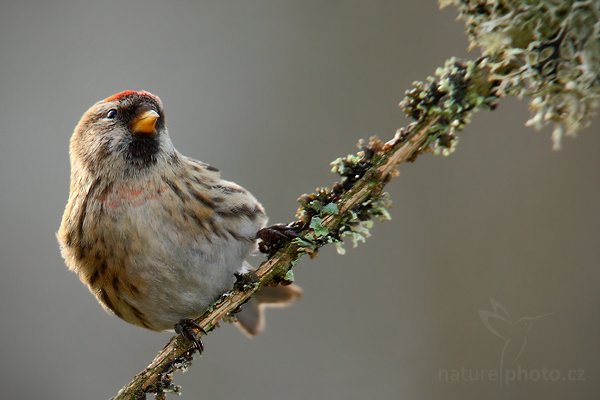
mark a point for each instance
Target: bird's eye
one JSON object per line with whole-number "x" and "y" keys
{"x": 111, "y": 114}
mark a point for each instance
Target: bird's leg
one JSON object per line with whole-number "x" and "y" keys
{"x": 276, "y": 232}
{"x": 186, "y": 328}
{"x": 274, "y": 236}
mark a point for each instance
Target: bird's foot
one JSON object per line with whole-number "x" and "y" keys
{"x": 275, "y": 236}
{"x": 187, "y": 328}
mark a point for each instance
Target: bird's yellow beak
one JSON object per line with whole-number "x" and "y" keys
{"x": 145, "y": 123}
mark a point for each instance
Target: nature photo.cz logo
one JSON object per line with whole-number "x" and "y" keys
{"x": 513, "y": 334}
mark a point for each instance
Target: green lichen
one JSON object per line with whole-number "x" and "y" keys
{"x": 353, "y": 224}
{"x": 289, "y": 276}
{"x": 331, "y": 209}
{"x": 339, "y": 247}
{"x": 450, "y": 98}
{"x": 307, "y": 241}
{"x": 316, "y": 224}
{"x": 358, "y": 222}
{"x": 316, "y": 205}
{"x": 547, "y": 50}
{"x": 344, "y": 165}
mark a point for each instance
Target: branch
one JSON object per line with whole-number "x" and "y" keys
{"x": 548, "y": 52}
{"x": 330, "y": 215}
{"x": 177, "y": 353}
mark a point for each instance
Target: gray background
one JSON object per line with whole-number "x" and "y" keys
{"x": 270, "y": 92}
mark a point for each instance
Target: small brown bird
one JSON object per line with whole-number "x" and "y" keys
{"x": 156, "y": 236}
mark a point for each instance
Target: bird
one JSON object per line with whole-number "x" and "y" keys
{"x": 156, "y": 236}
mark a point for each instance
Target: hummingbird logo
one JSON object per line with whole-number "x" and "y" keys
{"x": 513, "y": 333}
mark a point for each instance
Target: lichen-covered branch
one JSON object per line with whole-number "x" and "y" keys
{"x": 547, "y": 50}
{"x": 345, "y": 210}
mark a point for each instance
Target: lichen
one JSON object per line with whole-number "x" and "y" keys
{"x": 289, "y": 276}
{"x": 546, "y": 50}
{"x": 450, "y": 97}
{"x": 359, "y": 221}
{"x": 353, "y": 224}
{"x": 457, "y": 90}
{"x": 164, "y": 382}
{"x": 316, "y": 224}
{"x": 331, "y": 209}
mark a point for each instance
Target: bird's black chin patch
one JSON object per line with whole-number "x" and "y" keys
{"x": 143, "y": 150}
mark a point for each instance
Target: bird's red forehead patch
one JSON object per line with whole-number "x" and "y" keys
{"x": 127, "y": 93}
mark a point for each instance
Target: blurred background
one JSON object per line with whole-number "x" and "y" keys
{"x": 491, "y": 258}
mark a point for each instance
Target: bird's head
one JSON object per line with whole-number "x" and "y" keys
{"x": 125, "y": 132}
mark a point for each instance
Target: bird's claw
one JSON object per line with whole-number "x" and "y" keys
{"x": 186, "y": 328}
{"x": 274, "y": 236}
{"x": 275, "y": 232}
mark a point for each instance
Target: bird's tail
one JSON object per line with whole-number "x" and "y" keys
{"x": 251, "y": 318}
